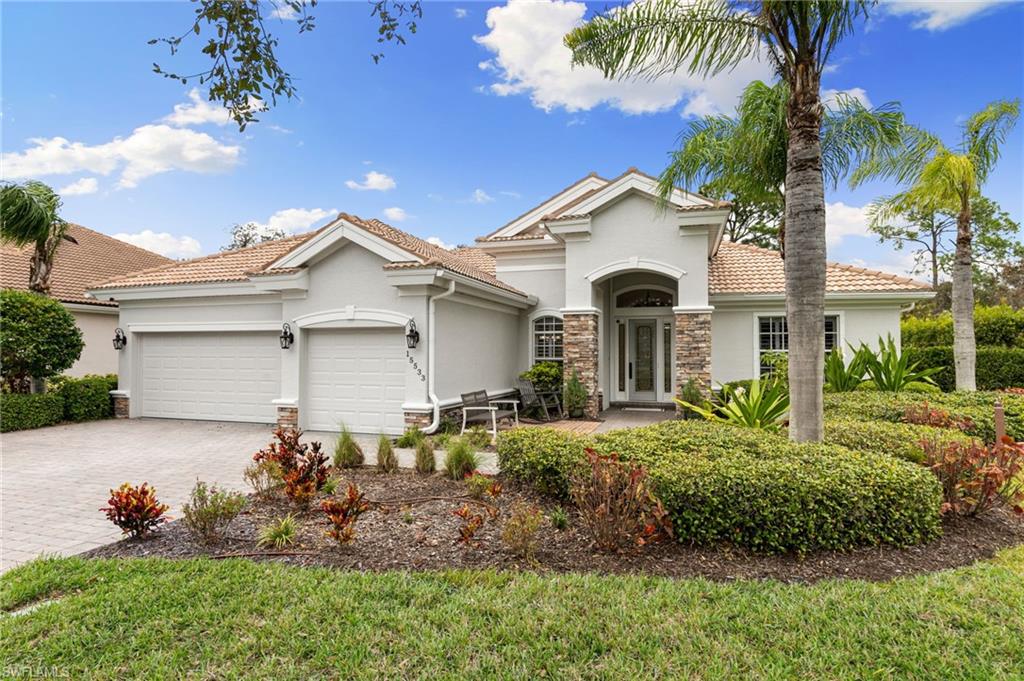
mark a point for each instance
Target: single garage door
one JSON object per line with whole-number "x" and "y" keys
{"x": 355, "y": 377}
{"x": 212, "y": 376}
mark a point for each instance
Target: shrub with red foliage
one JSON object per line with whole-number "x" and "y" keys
{"x": 481, "y": 485}
{"x": 303, "y": 466}
{"x": 616, "y": 504}
{"x": 976, "y": 478}
{"x": 343, "y": 513}
{"x": 471, "y": 522}
{"x": 135, "y": 509}
{"x": 924, "y": 415}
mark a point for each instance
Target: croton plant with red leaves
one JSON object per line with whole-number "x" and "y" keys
{"x": 343, "y": 513}
{"x": 135, "y": 510}
{"x": 976, "y": 478}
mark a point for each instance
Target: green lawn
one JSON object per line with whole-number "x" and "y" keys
{"x": 229, "y": 619}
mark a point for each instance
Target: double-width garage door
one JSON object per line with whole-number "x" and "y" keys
{"x": 355, "y": 377}
{"x": 219, "y": 376}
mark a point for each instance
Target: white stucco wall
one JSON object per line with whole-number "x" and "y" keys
{"x": 477, "y": 348}
{"x": 98, "y": 355}
{"x": 549, "y": 287}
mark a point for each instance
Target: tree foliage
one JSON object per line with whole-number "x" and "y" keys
{"x": 244, "y": 72}
{"x": 246, "y": 234}
{"x": 30, "y": 214}
{"x": 38, "y": 339}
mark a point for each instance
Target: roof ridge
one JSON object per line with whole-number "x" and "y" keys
{"x": 592, "y": 174}
{"x": 120, "y": 241}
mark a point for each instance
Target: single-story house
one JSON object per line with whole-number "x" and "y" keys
{"x": 359, "y": 323}
{"x": 92, "y": 257}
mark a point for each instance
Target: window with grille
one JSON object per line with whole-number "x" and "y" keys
{"x": 547, "y": 339}
{"x": 773, "y": 336}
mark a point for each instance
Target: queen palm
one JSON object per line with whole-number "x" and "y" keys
{"x": 29, "y": 214}
{"x": 940, "y": 179}
{"x": 707, "y": 37}
{"x": 743, "y": 156}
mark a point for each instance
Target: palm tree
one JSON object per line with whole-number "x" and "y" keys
{"x": 707, "y": 37}
{"x": 29, "y": 214}
{"x": 939, "y": 178}
{"x": 745, "y": 155}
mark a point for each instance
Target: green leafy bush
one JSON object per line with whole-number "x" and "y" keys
{"x": 460, "y": 459}
{"x": 574, "y": 395}
{"x": 478, "y": 436}
{"x": 903, "y": 440}
{"x": 546, "y": 376}
{"x": 87, "y": 398}
{"x": 975, "y": 406}
{"x": 997, "y": 368}
{"x": 38, "y": 339}
{"x": 210, "y": 510}
{"x": 750, "y": 488}
{"x": 690, "y": 393}
{"x": 410, "y": 438}
{"x": 998, "y": 325}
{"x": 24, "y": 411}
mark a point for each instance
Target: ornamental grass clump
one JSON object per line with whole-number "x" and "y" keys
{"x": 135, "y": 510}
{"x": 210, "y": 510}
{"x": 425, "y": 460}
{"x": 347, "y": 452}
{"x": 460, "y": 459}
{"x": 278, "y": 533}
{"x": 387, "y": 460}
{"x": 411, "y": 438}
{"x": 343, "y": 513}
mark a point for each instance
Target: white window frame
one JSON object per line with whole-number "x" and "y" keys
{"x": 544, "y": 314}
{"x": 758, "y": 316}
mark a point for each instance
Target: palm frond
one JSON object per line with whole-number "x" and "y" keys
{"x": 851, "y": 134}
{"x": 650, "y": 39}
{"x": 26, "y": 212}
{"x": 904, "y": 163}
{"x": 986, "y": 131}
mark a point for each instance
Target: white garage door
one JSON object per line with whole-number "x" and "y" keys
{"x": 356, "y": 377}
{"x": 211, "y": 376}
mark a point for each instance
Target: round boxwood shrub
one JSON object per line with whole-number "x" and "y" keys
{"x": 38, "y": 338}
{"x": 752, "y": 489}
{"x": 902, "y": 440}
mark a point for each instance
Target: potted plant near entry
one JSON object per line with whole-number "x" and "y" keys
{"x": 574, "y": 396}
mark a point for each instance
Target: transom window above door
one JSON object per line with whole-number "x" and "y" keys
{"x": 644, "y": 297}
{"x": 547, "y": 339}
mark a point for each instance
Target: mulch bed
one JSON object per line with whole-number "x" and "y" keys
{"x": 422, "y": 536}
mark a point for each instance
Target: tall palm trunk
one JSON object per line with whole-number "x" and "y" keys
{"x": 963, "y": 302}
{"x": 39, "y": 271}
{"x": 805, "y": 255}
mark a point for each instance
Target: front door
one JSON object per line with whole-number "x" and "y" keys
{"x": 643, "y": 362}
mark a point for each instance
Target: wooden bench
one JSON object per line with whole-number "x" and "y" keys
{"x": 477, "y": 407}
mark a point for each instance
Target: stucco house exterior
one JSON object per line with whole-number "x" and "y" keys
{"x": 635, "y": 295}
{"x": 92, "y": 257}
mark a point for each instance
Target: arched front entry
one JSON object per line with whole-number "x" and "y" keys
{"x": 640, "y": 348}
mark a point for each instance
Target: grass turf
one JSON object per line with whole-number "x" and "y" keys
{"x": 231, "y": 619}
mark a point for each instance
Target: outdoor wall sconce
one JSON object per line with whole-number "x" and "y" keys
{"x": 286, "y": 337}
{"x": 120, "y": 340}
{"x": 412, "y": 336}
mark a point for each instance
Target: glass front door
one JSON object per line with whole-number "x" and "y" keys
{"x": 643, "y": 355}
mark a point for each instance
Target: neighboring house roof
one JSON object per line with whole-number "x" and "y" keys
{"x": 96, "y": 257}
{"x": 742, "y": 268}
{"x": 242, "y": 264}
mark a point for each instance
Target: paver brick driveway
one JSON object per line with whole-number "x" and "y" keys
{"x": 55, "y": 479}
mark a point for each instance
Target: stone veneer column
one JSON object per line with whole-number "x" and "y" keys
{"x": 121, "y": 405}
{"x": 418, "y": 419}
{"x": 580, "y": 353}
{"x": 693, "y": 349}
{"x": 287, "y": 416}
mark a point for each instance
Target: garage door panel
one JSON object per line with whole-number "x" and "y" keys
{"x": 211, "y": 376}
{"x": 356, "y": 378}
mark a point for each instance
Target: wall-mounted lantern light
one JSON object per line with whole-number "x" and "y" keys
{"x": 286, "y": 337}
{"x": 120, "y": 340}
{"x": 412, "y": 336}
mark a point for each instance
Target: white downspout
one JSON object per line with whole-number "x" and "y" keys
{"x": 431, "y": 356}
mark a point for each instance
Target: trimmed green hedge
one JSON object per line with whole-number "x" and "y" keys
{"x": 977, "y": 406}
{"x": 24, "y": 411}
{"x": 755, "y": 490}
{"x": 999, "y": 325}
{"x": 996, "y": 368}
{"x": 67, "y": 399}
{"x": 897, "y": 439}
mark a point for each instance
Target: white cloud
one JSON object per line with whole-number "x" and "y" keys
{"x": 163, "y": 243}
{"x": 148, "y": 150}
{"x": 284, "y": 12}
{"x": 395, "y": 214}
{"x": 511, "y": 194}
{"x": 480, "y": 196}
{"x": 199, "y": 112}
{"x": 530, "y": 58}
{"x": 899, "y": 263}
{"x": 293, "y": 220}
{"x": 938, "y": 15}
{"x": 842, "y": 221}
{"x": 86, "y": 185}
{"x": 829, "y": 98}
{"x": 437, "y": 241}
{"x": 461, "y": 13}
{"x": 372, "y": 181}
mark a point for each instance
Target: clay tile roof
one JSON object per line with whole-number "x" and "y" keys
{"x": 77, "y": 266}
{"x": 742, "y": 268}
{"x": 478, "y": 258}
{"x": 219, "y": 267}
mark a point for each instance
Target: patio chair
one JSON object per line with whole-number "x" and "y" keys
{"x": 542, "y": 400}
{"x": 478, "y": 408}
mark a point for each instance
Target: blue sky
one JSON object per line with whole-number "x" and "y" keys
{"x": 472, "y": 122}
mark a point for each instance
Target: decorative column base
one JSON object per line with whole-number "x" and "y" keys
{"x": 418, "y": 419}
{"x": 579, "y": 348}
{"x": 693, "y": 349}
{"x": 121, "y": 405}
{"x": 287, "y": 417}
